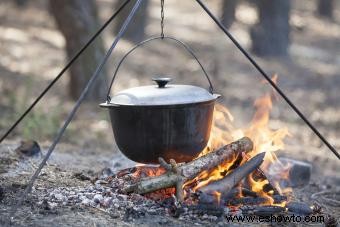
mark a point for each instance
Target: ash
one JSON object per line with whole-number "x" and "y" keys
{"x": 104, "y": 195}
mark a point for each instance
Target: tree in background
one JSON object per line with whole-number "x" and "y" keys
{"x": 78, "y": 20}
{"x": 21, "y": 3}
{"x": 325, "y": 8}
{"x": 136, "y": 30}
{"x": 228, "y": 12}
{"x": 270, "y": 36}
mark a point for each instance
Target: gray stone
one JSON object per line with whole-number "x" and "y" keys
{"x": 299, "y": 208}
{"x": 299, "y": 172}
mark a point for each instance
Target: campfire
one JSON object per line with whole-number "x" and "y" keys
{"x": 237, "y": 169}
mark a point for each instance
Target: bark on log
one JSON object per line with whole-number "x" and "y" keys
{"x": 227, "y": 183}
{"x": 213, "y": 159}
{"x": 192, "y": 169}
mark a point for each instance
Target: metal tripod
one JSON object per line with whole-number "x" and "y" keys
{"x": 100, "y": 67}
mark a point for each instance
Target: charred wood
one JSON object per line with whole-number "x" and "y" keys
{"x": 205, "y": 198}
{"x": 180, "y": 173}
{"x": 262, "y": 210}
{"x": 209, "y": 209}
{"x": 247, "y": 192}
{"x": 229, "y": 181}
{"x": 233, "y": 198}
{"x": 259, "y": 175}
{"x": 253, "y": 201}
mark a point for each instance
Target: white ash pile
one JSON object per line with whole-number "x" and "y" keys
{"x": 104, "y": 195}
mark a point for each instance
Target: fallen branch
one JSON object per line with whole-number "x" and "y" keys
{"x": 176, "y": 175}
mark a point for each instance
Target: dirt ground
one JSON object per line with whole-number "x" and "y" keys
{"x": 32, "y": 54}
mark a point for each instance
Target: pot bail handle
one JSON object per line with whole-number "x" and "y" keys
{"x": 177, "y": 41}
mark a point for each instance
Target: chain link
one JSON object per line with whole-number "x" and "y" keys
{"x": 162, "y": 19}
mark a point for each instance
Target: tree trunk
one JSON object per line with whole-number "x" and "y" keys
{"x": 270, "y": 37}
{"x": 228, "y": 12}
{"x": 136, "y": 30}
{"x": 325, "y": 8}
{"x": 78, "y": 20}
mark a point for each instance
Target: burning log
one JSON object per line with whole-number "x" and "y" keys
{"x": 205, "y": 198}
{"x": 247, "y": 192}
{"x": 229, "y": 181}
{"x": 238, "y": 192}
{"x": 176, "y": 175}
{"x": 259, "y": 175}
{"x": 232, "y": 198}
{"x": 253, "y": 201}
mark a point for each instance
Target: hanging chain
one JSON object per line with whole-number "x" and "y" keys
{"x": 162, "y": 19}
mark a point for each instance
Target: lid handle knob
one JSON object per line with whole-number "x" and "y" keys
{"x": 162, "y": 81}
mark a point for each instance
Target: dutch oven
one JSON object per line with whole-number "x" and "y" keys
{"x": 171, "y": 121}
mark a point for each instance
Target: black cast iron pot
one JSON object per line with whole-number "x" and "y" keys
{"x": 169, "y": 121}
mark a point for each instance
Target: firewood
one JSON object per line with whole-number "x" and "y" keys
{"x": 259, "y": 175}
{"x": 232, "y": 198}
{"x": 247, "y": 192}
{"x": 225, "y": 184}
{"x": 178, "y": 174}
{"x": 205, "y": 198}
{"x": 215, "y": 158}
{"x": 208, "y": 209}
{"x": 253, "y": 201}
{"x": 262, "y": 210}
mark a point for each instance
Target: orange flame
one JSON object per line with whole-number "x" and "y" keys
{"x": 264, "y": 138}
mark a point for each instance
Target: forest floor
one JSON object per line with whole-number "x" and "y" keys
{"x": 32, "y": 54}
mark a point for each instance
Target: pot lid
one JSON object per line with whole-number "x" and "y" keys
{"x": 162, "y": 94}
